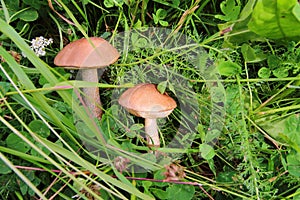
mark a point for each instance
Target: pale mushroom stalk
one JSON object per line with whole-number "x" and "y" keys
{"x": 92, "y": 95}
{"x": 152, "y": 132}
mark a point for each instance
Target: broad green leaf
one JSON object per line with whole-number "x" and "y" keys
{"x": 4, "y": 87}
{"x": 212, "y": 135}
{"x": 226, "y": 176}
{"x": 292, "y": 129}
{"x": 293, "y": 164}
{"x": 297, "y": 197}
{"x": 136, "y": 127}
{"x": 177, "y": 191}
{"x": 23, "y": 187}
{"x": 248, "y": 52}
{"x": 163, "y": 23}
{"x": 13, "y": 6}
{"x": 296, "y": 12}
{"x": 109, "y": 3}
{"x": 4, "y": 169}
{"x": 161, "y": 13}
{"x": 40, "y": 128}
{"x": 207, "y": 151}
{"x": 240, "y": 32}
{"x": 230, "y": 10}
{"x": 273, "y": 61}
{"x": 159, "y": 193}
{"x": 176, "y": 2}
{"x": 133, "y": 130}
{"x": 41, "y": 147}
{"x": 159, "y": 175}
{"x": 172, "y": 89}
{"x": 280, "y": 72}
{"x": 34, "y": 3}
{"x": 161, "y": 87}
{"x": 14, "y": 142}
{"x": 229, "y": 68}
{"x": 264, "y": 72}
{"x": 250, "y": 55}
{"x": 286, "y": 130}
{"x": 247, "y": 10}
{"x": 27, "y": 15}
{"x": 275, "y": 19}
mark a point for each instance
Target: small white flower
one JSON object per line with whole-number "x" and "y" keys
{"x": 39, "y": 44}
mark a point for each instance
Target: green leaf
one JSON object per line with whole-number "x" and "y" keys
{"x": 158, "y": 175}
{"x": 40, "y": 128}
{"x": 146, "y": 184}
{"x": 176, "y": 2}
{"x": 141, "y": 42}
{"x": 172, "y": 89}
{"x": 16, "y": 143}
{"x": 161, "y": 13}
{"x": 161, "y": 87}
{"x": 34, "y": 3}
{"x": 293, "y": 163}
{"x": 133, "y": 130}
{"x": 275, "y": 19}
{"x": 155, "y": 18}
{"x": 177, "y": 191}
{"x": 273, "y": 61}
{"x": 108, "y": 3}
{"x": 207, "y": 151}
{"x": 136, "y": 127}
{"x": 247, "y": 10}
{"x": 292, "y": 130}
{"x": 250, "y": 55}
{"x": 230, "y": 10}
{"x": 159, "y": 193}
{"x": 281, "y": 72}
{"x": 296, "y": 12}
{"x": 226, "y": 176}
{"x": 4, "y": 169}
{"x": 286, "y": 130}
{"x": 229, "y": 68}
{"x": 163, "y": 23}
{"x": 23, "y": 188}
{"x": 33, "y": 152}
{"x": 264, "y": 72}
{"x": 13, "y": 6}
{"x": 240, "y": 32}
{"x": 297, "y": 197}
{"x": 4, "y": 87}
{"x": 28, "y": 15}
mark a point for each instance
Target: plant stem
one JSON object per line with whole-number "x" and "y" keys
{"x": 151, "y": 132}
{"x": 92, "y": 95}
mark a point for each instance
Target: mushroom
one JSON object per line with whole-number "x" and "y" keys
{"x": 144, "y": 100}
{"x": 88, "y": 55}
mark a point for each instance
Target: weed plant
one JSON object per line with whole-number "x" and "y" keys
{"x": 232, "y": 67}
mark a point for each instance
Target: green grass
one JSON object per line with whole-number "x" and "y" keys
{"x": 234, "y": 134}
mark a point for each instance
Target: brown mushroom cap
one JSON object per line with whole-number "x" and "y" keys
{"x": 82, "y": 54}
{"x": 144, "y": 100}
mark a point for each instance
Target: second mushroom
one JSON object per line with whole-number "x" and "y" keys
{"x": 144, "y": 100}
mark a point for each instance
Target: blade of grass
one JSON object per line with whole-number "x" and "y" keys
{"x": 21, "y": 175}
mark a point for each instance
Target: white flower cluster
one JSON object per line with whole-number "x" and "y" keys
{"x": 39, "y": 44}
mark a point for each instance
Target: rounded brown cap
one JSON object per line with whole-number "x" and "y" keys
{"x": 82, "y": 53}
{"x": 144, "y": 100}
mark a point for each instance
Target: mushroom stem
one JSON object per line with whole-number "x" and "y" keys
{"x": 91, "y": 94}
{"x": 151, "y": 132}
